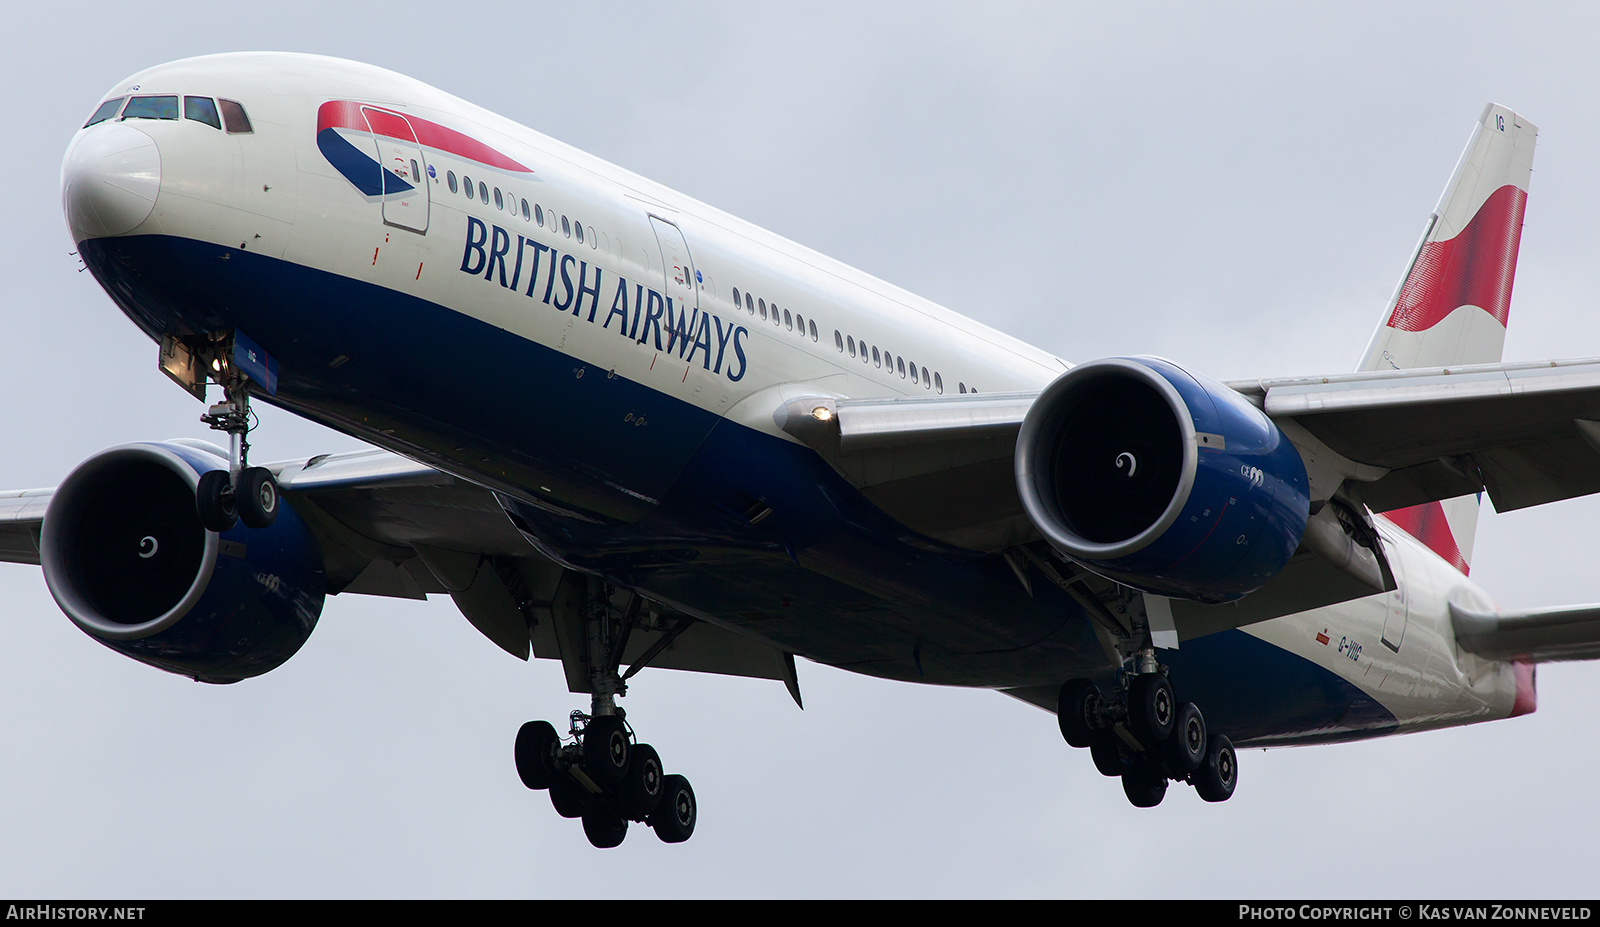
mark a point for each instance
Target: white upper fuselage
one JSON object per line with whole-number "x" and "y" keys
{"x": 274, "y": 192}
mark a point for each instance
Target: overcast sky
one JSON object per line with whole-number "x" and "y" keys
{"x": 1236, "y": 187}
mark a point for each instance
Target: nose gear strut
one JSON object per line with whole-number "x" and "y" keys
{"x": 242, "y": 492}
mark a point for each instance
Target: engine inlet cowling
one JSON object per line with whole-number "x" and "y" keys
{"x": 126, "y": 558}
{"x": 1161, "y": 479}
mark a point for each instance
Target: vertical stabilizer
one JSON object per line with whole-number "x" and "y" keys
{"x": 1453, "y": 301}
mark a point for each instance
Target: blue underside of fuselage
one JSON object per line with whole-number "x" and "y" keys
{"x": 666, "y": 508}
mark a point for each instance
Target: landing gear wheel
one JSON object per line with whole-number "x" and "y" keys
{"x": 257, "y": 498}
{"x": 1218, "y": 776}
{"x": 1186, "y": 749}
{"x": 568, "y": 797}
{"x": 214, "y": 500}
{"x": 534, "y": 743}
{"x": 604, "y": 829}
{"x": 1152, "y": 709}
{"x": 1080, "y": 700}
{"x": 1111, "y": 756}
{"x": 1144, "y": 783}
{"x": 642, "y": 789}
{"x": 606, "y": 750}
{"x": 674, "y": 820}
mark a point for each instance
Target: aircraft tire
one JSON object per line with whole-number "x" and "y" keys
{"x": 604, "y": 829}
{"x": 214, "y": 501}
{"x": 1152, "y": 709}
{"x": 675, "y": 817}
{"x": 567, "y": 797}
{"x": 644, "y": 787}
{"x": 534, "y": 741}
{"x": 1111, "y": 756}
{"x": 1218, "y": 776}
{"x": 1076, "y": 706}
{"x": 1144, "y": 784}
{"x": 1186, "y": 749}
{"x": 257, "y": 498}
{"x": 606, "y": 750}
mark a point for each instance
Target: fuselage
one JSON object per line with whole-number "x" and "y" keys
{"x": 607, "y": 354}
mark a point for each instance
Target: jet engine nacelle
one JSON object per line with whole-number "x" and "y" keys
{"x": 126, "y": 558}
{"x": 1161, "y": 480}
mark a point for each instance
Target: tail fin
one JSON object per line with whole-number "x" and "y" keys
{"x": 1453, "y": 301}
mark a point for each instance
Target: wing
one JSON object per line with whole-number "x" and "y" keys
{"x": 389, "y": 526}
{"x": 1525, "y": 433}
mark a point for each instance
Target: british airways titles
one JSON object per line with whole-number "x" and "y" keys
{"x": 640, "y": 313}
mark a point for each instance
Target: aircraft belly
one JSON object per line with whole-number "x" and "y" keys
{"x": 665, "y": 506}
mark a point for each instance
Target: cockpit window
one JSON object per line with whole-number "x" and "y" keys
{"x": 201, "y": 109}
{"x": 233, "y": 117}
{"x": 106, "y": 111}
{"x": 165, "y": 107}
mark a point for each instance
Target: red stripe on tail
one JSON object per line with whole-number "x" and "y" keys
{"x": 1475, "y": 268}
{"x": 1427, "y": 523}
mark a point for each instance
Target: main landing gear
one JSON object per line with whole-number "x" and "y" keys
{"x": 604, "y": 776}
{"x": 600, "y": 772}
{"x": 242, "y": 492}
{"x": 1141, "y": 733}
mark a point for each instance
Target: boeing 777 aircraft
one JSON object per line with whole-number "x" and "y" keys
{"x": 623, "y": 429}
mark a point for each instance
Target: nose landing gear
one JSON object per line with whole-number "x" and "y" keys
{"x": 1142, "y": 734}
{"x": 242, "y": 492}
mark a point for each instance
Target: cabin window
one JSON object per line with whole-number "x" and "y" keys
{"x": 852, "y": 341}
{"x": 105, "y": 111}
{"x": 483, "y": 192}
{"x": 788, "y": 322}
{"x": 749, "y": 304}
{"x": 450, "y": 178}
{"x": 538, "y": 215}
{"x": 763, "y": 304}
{"x": 577, "y": 227}
{"x": 416, "y": 173}
{"x": 814, "y": 330}
{"x": 963, "y": 387}
{"x": 151, "y": 108}
{"x": 913, "y": 372}
{"x": 466, "y": 185}
{"x": 499, "y": 202}
{"x": 202, "y": 109}
{"x": 900, "y": 362}
{"x": 736, "y": 297}
{"x": 234, "y": 118}
{"x": 525, "y": 214}
{"x": 838, "y": 340}
{"x": 566, "y": 227}
{"x": 877, "y": 361}
{"x": 938, "y": 383}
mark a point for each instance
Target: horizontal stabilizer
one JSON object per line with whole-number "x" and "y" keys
{"x": 1543, "y": 635}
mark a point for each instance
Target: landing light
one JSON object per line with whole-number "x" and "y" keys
{"x": 822, "y": 413}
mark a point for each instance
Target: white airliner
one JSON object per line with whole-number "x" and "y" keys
{"x": 621, "y": 428}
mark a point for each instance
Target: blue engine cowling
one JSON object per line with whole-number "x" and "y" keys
{"x": 126, "y": 558}
{"x": 1161, "y": 480}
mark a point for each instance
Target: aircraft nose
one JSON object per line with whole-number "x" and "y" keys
{"x": 109, "y": 180}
